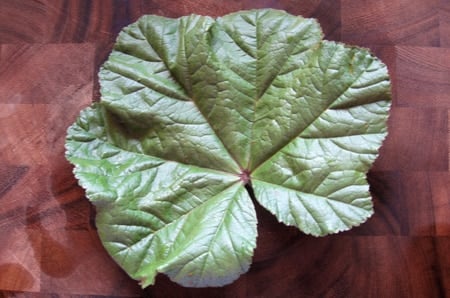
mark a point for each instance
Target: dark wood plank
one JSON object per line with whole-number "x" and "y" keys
{"x": 443, "y": 259}
{"x": 21, "y": 128}
{"x": 9, "y": 176}
{"x": 405, "y": 22}
{"x": 422, "y": 77}
{"x": 64, "y": 21}
{"x": 45, "y": 73}
{"x": 444, "y": 23}
{"x": 396, "y": 267}
{"x": 429, "y": 215}
{"x": 417, "y": 140}
{"x": 23, "y": 22}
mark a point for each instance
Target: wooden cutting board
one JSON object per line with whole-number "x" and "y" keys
{"x": 50, "y": 52}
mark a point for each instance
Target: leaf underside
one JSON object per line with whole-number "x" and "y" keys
{"x": 194, "y": 109}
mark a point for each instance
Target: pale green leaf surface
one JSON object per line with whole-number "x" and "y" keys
{"x": 162, "y": 216}
{"x": 194, "y": 108}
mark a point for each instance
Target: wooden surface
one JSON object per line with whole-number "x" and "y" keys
{"x": 50, "y": 52}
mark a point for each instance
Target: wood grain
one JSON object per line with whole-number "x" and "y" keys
{"x": 385, "y": 22}
{"x": 422, "y": 77}
{"x": 444, "y": 23}
{"x": 50, "y": 52}
{"x": 417, "y": 140}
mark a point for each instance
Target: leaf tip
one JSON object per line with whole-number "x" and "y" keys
{"x": 145, "y": 282}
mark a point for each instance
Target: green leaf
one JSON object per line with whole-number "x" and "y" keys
{"x": 197, "y": 113}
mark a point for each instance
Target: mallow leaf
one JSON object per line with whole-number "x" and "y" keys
{"x": 196, "y": 114}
